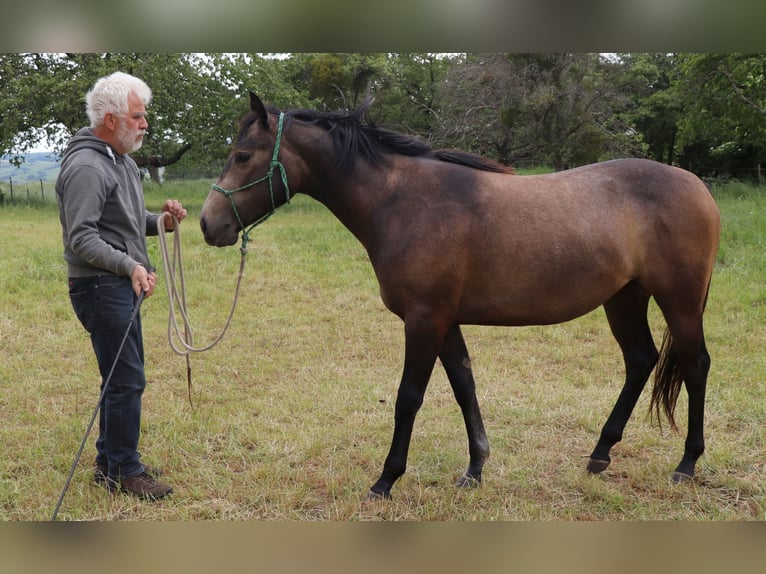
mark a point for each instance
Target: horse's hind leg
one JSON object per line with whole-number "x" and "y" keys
{"x": 457, "y": 364}
{"x": 687, "y": 357}
{"x": 627, "y": 315}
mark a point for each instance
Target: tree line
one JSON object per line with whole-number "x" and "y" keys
{"x": 705, "y": 112}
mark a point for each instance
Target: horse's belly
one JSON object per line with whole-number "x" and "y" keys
{"x": 517, "y": 302}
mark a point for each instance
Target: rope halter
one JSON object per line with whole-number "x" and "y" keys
{"x": 273, "y": 164}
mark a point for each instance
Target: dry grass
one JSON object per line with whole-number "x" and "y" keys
{"x": 294, "y": 410}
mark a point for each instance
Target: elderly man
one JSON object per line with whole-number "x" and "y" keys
{"x": 105, "y": 224}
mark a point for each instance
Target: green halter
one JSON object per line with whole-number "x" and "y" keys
{"x": 274, "y": 163}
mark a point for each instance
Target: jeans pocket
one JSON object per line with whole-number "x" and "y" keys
{"x": 114, "y": 299}
{"x": 109, "y": 282}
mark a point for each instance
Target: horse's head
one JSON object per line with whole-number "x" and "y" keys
{"x": 253, "y": 182}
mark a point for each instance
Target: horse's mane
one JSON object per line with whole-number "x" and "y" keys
{"x": 353, "y": 136}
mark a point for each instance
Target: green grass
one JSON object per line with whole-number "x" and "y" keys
{"x": 293, "y": 411}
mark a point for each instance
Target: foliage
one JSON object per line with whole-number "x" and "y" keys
{"x": 30, "y": 79}
{"x": 408, "y": 98}
{"x": 561, "y": 109}
{"x": 704, "y": 111}
{"x": 723, "y": 128}
{"x": 336, "y": 81}
{"x": 225, "y": 82}
{"x": 657, "y": 108}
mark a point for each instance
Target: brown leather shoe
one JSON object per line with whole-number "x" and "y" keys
{"x": 100, "y": 473}
{"x": 144, "y": 486}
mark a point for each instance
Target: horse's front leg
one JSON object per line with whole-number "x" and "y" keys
{"x": 457, "y": 364}
{"x": 422, "y": 342}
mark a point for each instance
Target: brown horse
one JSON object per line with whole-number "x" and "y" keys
{"x": 456, "y": 239}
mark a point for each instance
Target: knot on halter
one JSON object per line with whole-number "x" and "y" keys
{"x": 273, "y": 165}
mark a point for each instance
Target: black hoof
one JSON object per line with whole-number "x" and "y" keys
{"x": 597, "y": 466}
{"x": 373, "y": 496}
{"x": 679, "y": 477}
{"x": 468, "y": 481}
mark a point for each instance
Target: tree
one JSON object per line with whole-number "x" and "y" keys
{"x": 651, "y": 84}
{"x": 561, "y": 109}
{"x": 192, "y": 110}
{"x": 53, "y": 86}
{"x": 27, "y": 82}
{"x": 407, "y": 95}
{"x": 220, "y": 97}
{"x": 723, "y": 127}
{"x": 335, "y": 81}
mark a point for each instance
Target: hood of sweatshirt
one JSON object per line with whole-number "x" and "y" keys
{"x": 101, "y": 206}
{"x": 84, "y": 139}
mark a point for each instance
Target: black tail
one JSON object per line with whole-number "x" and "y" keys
{"x": 667, "y": 382}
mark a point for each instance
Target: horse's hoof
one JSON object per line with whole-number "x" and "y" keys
{"x": 597, "y": 466}
{"x": 468, "y": 481}
{"x": 679, "y": 477}
{"x": 373, "y": 496}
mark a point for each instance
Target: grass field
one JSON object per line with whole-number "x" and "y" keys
{"x": 293, "y": 411}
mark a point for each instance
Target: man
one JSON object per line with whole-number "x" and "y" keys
{"x": 105, "y": 223}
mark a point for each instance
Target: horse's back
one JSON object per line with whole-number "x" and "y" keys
{"x": 555, "y": 246}
{"x": 633, "y": 193}
{"x": 640, "y": 180}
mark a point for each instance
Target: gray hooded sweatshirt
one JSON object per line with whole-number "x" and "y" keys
{"x": 103, "y": 217}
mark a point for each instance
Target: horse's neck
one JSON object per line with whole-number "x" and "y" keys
{"x": 351, "y": 206}
{"x": 357, "y": 197}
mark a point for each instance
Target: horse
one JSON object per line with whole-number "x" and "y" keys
{"x": 457, "y": 239}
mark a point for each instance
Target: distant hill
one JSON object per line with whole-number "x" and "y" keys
{"x": 37, "y": 166}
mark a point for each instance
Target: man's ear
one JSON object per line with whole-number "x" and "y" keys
{"x": 110, "y": 121}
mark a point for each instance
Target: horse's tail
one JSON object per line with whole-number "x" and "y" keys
{"x": 667, "y": 381}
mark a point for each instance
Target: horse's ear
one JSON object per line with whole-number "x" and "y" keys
{"x": 256, "y": 105}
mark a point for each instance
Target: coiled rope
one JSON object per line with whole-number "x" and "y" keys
{"x": 182, "y": 341}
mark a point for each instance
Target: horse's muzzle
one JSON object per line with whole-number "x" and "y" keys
{"x": 218, "y": 235}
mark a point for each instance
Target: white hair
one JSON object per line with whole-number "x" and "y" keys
{"x": 110, "y": 95}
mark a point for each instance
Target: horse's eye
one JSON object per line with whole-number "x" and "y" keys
{"x": 242, "y": 156}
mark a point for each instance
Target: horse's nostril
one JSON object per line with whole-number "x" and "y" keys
{"x": 203, "y": 225}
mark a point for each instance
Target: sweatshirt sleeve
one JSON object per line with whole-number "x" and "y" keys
{"x": 152, "y": 228}
{"x": 82, "y": 207}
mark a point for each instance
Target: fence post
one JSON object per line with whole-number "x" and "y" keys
{"x": 42, "y": 192}
{"x": 759, "y": 173}
{"x": 10, "y": 179}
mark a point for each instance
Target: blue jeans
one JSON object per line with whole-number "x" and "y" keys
{"x": 104, "y": 305}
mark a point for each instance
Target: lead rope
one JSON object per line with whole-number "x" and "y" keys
{"x": 175, "y": 283}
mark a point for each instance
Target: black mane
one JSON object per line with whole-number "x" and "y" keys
{"x": 353, "y": 137}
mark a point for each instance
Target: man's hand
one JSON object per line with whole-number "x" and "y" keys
{"x": 175, "y": 208}
{"x": 143, "y": 280}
